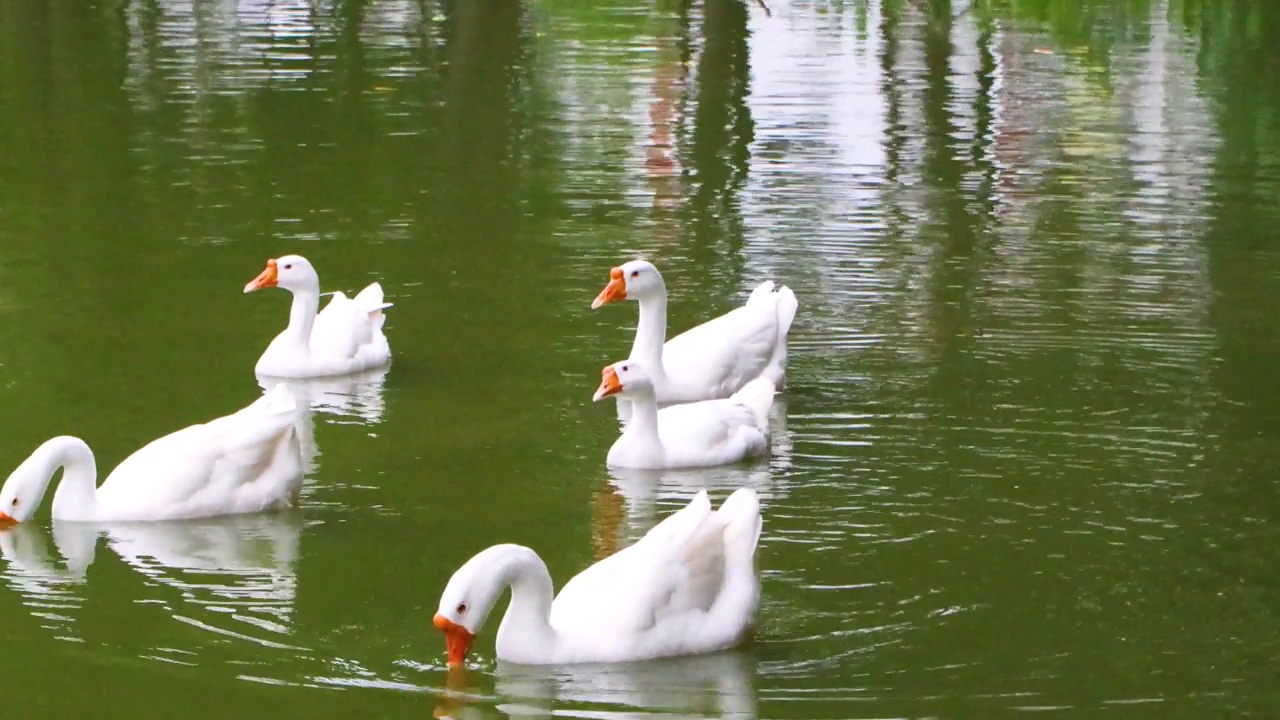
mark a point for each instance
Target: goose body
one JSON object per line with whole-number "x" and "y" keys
{"x": 712, "y": 360}
{"x": 687, "y": 587}
{"x": 344, "y": 338}
{"x": 697, "y": 434}
{"x": 245, "y": 462}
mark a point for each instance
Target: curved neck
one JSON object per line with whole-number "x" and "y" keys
{"x": 526, "y": 627}
{"x": 651, "y": 333}
{"x": 302, "y": 315}
{"x": 77, "y": 494}
{"x": 643, "y": 424}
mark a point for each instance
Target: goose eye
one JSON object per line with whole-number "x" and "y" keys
{"x": 635, "y": 273}
{"x": 14, "y": 503}
{"x": 462, "y": 608}
{"x": 289, "y": 266}
{"x": 625, "y": 368}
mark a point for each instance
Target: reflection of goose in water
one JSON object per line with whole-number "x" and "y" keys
{"x": 47, "y": 587}
{"x": 705, "y": 686}
{"x": 236, "y": 568}
{"x": 628, "y": 507}
{"x": 352, "y": 399}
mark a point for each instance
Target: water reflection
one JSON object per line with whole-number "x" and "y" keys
{"x": 666, "y": 117}
{"x": 723, "y": 130}
{"x": 1033, "y": 249}
{"x": 704, "y": 686}
{"x": 352, "y": 399}
{"x": 47, "y": 587}
{"x": 233, "y": 576}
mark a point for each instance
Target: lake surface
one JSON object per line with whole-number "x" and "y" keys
{"x": 1026, "y": 456}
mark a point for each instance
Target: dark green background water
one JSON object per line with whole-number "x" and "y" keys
{"x": 1025, "y": 461}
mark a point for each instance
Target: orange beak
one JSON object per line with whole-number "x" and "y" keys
{"x": 457, "y": 639}
{"x": 266, "y": 279}
{"x": 609, "y": 384}
{"x": 615, "y": 290}
{"x": 6, "y": 520}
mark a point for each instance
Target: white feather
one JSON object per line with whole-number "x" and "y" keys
{"x": 696, "y": 434}
{"x": 720, "y": 356}
{"x": 688, "y": 586}
{"x": 344, "y": 338}
{"x": 241, "y": 463}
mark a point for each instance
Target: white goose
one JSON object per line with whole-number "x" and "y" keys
{"x": 698, "y": 434}
{"x": 714, "y": 359}
{"x": 687, "y": 587}
{"x": 346, "y": 337}
{"x": 245, "y": 462}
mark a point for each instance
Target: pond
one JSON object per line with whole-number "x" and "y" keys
{"x": 1025, "y": 455}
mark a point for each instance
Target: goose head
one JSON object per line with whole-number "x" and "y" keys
{"x": 291, "y": 272}
{"x": 23, "y": 490}
{"x": 625, "y": 378}
{"x": 469, "y": 597}
{"x": 633, "y": 280}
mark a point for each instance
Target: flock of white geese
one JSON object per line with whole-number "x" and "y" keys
{"x": 700, "y": 399}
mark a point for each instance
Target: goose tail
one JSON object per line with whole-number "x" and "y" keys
{"x": 786, "y": 307}
{"x": 758, "y": 396}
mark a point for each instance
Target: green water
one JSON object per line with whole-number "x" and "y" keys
{"x": 1024, "y": 461}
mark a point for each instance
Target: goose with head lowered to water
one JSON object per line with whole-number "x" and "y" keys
{"x": 687, "y": 587}
{"x": 344, "y": 338}
{"x": 245, "y": 462}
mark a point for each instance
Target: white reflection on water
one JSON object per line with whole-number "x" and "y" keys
{"x": 351, "y": 399}
{"x": 47, "y": 587}
{"x": 711, "y": 686}
{"x": 200, "y": 48}
{"x": 702, "y": 686}
{"x": 233, "y": 576}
